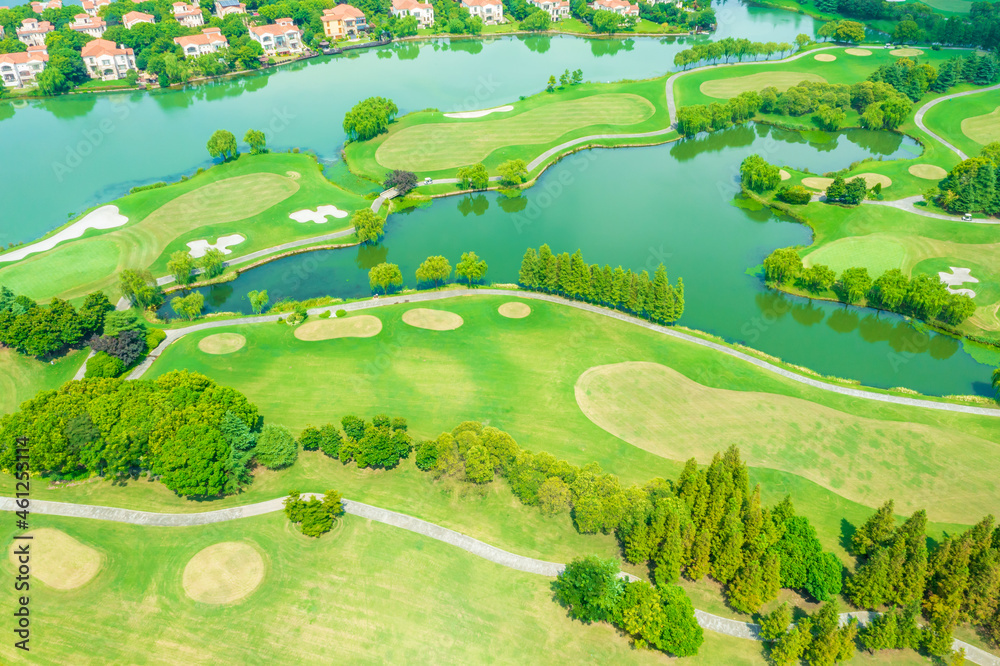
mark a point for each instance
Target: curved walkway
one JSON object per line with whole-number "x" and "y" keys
{"x": 907, "y": 204}
{"x": 176, "y": 334}
{"x": 918, "y": 118}
{"x": 722, "y": 625}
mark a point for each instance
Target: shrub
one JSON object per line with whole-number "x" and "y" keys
{"x": 796, "y": 194}
{"x": 330, "y": 440}
{"x": 341, "y": 313}
{"x": 276, "y": 447}
{"x": 324, "y": 315}
{"x": 154, "y": 337}
{"x": 127, "y": 346}
{"x": 309, "y": 439}
{"x": 427, "y": 456}
{"x": 103, "y": 364}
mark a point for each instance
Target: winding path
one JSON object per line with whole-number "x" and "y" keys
{"x": 907, "y": 204}
{"x": 918, "y": 118}
{"x": 176, "y": 334}
{"x": 722, "y": 625}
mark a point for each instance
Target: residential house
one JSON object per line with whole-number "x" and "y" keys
{"x": 92, "y": 6}
{"x": 209, "y": 41}
{"x": 424, "y": 13}
{"x": 20, "y": 69}
{"x": 104, "y": 60}
{"x": 39, "y": 7}
{"x": 32, "y": 32}
{"x": 620, "y": 7}
{"x": 491, "y": 11}
{"x": 133, "y": 19}
{"x": 227, "y": 7}
{"x": 88, "y": 25}
{"x": 557, "y": 9}
{"x": 343, "y": 22}
{"x": 188, "y": 15}
{"x": 279, "y": 37}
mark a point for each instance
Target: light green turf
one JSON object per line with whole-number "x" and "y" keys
{"x": 948, "y": 118}
{"x": 251, "y": 196}
{"x": 724, "y": 88}
{"x": 983, "y": 129}
{"x": 21, "y": 377}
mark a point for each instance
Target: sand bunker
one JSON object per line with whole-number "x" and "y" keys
{"x": 514, "y": 310}
{"x": 222, "y": 343}
{"x": 105, "y": 217}
{"x": 200, "y": 248}
{"x": 319, "y": 215}
{"x": 223, "y": 573}
{"x": 954, "y": 280}
{"x": 928, "y": 171}
{"x": 434, "y": 320}
{"x": 59, "y": 560}
{"x": 825, "y": 57}
{"x": 784, "y": 174}
{"x": 871, "y": 179}
{"x": 906, "y": 52}
{"x": 858, "y": 52}
{"x": 361, "y": 326}
{"x": 480, "y": 113}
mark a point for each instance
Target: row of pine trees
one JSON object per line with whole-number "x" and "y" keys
{"x": 568, "y": 275}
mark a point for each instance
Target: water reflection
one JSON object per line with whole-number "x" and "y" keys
{"x": 537, "y": 43}
{"x": 369, "y": 256}
{"x": 472, "y": 46}
{"x": 476, "y": 205}
{"x": 609, "y": 47}
{"x": 513, "y": 204}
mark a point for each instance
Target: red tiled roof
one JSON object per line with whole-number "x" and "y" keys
{"x": 341, "y": 12}
{"x": 99, "y": 47}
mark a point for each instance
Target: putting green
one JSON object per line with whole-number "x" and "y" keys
{"x": 361, "y": 326}
{"x": 640, "y": 401}
{"x": 222, "y": 343}
{"x": 906, "y": 52}
{"x": 59, "y": 560}
{"x": 877, "y": 257}
{"x": 858, "y": 52}
{"x": 434, "y": 320}
{"x": 223, "y": 573}
{"x": 444, "y": 145}
{"x": 825, "y": 57}
{"x": 726, "y": 88}
{"x": 927, "y": 171}
{"x": 983, "y": 129}
{"x": 871, "y": 179}
{"x": 514, "y": 310}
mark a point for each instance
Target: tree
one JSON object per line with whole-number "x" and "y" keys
{"x": 400, "y": 180}
{"x": 180, "y": 265}
{"x": 607, "y": 22}
{"x": 854, "y": 284}
{"x": 782, "y": 265}
{"x": 513, "y": 172}
{"x": 139, "y": 287}
{"x": 258, "y": 300}
{"x": 788, "y": 649}
{"x": 758, "y": 175}
{"x": 682, "y": 635}
{"x": 474, "y": 177}
{"x": 435, "y": 270}
{"x": 802, "y": 40}
{"x": 818, "y": 278}
{"x": 776, "y": 623}
{"x": 212, "y": 263}
{"x": 223, "y": 144}
{"x": 310, "y": 438}
{"x": 876, "y": 530}
{"x": 471, "y": 267}
{"x": 996, "y": 382}
{"x": 536, "y": 21}
{"x": 189, "y": 306}
{"x": 330, "y": 440}
{"x": 554, "y": 496}
{"x": 551, "y": 86}
{"x": 368, "y": 226}
{"x": 275, "y": 447}
{"x": 478, "y": 467}
{"x": 93, "y": 312}
{"x": 256, "y": 140}
{"x": 52, "y": 82}
{"x": 384, "y": 276}
{"x": 126, "y": 346}
{"x": 369, "y": 118}
{"x": 589, "y": 588}
{"x": 193, "y": 461}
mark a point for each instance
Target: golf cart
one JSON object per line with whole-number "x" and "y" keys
{"x": 967, "y": 217}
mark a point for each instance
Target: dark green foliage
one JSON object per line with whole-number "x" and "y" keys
{"x": 310, "y": 439}
{"x": 427, "y": 456}
{"x": 894, "y": 630}
{"x": 795, "y": 194}
{"x": 38, "y": 330}
{"x": 315, "y": 516}
{"x": 127, "y": 346}
{"x": 122, "y": 320}
{"x": 330, "y": 440}
{"x": 851, "y": 192}
{"x": 380, "y": 444}
{"x": 589, "y": 588}
{"x": 95, "y": 308}
{"x": 102, "y": 364}
{"x": 276, "y": 447}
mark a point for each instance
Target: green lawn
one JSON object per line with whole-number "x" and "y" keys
{"x": 432, "y": 145}
{"x": 251, "y": 196}
{"x": 947, "y": 118}
{"x": 21, "y": 377}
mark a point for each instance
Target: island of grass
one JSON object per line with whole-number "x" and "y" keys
{"x": 251, "y": 197}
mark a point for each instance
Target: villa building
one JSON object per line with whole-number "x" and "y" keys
{"x": 227, "y": 7}
{"x": 557, "y": 9}
{"x": 209, "y": 41}
{"x": 32, "y": 32}
{"x": 20, "y": 69}
{"x": 92, "y": 6}
{"x": 106, "y": 61}
{"x": 88, "y": 25}
{"x": 491, "y": 11}
{"x": 424, "y": 13}
{"x": 39, "y": 7}
{"x": 620, "y": 7}
{"x": 343, "y": 22}
{"x": 133, "y": 19}
{"x": 188, "y": 15}
{"x": 280, "y": 37}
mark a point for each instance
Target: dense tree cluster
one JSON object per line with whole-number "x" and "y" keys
{"x": 843, "y": 31}
{"x": 140, "y": 288}
{"x": 369, "y": 118}
{"x": 880, "y": 104}
{"x": 759, "y": 175}
{"x": 314, "y": 517}
{"x": 669, "y": 12}
{"x": 922, "y": 296}
{"x": 379, "y": 444}
{"x": 849, "y": 192}
{"x": 568, "y": 275}
{"x": 474, "y": 177}
{"x": 197, "y": 436}
{"x": 973, "y": 185}
{"x": 728, "y": 49}
{"x": 45, "y": 330}
{"x": 658, "y": 617}
{"x": 715, "y": 116}
{"x": 817, "y": 639}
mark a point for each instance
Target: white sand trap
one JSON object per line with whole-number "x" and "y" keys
{"x": 480, "y": 113}
{"x": 105, "y": 217}
{"x": 200, "y": 247}
{"x": 784, "y": 174}
{"x": 858, "y": 52}
{"x": 954, "y": 280}
{"x": 319, "y": 215}
{"x": 825, "y": 57}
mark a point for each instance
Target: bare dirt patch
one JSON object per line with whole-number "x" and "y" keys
{"x": 434, "y": 320}
{"x": 223, "y": 573}
{"x": 362, "y": 326}
{"x": 514, "y": 310}
{"x": 222, "y": 343}
{"x": 59, "y": 560}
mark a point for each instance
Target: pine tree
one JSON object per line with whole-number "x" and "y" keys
{"x": 661, "y": 307}
{"x": 727, "y": 546}
{"x": 774, "y": 625}
{"x": 913, "y": 580}
{"x": 551, "y": 265}
{"x": 700, "y": 551}
{"x": 565, "y": 274}
{"x": 528, "y": 276}
{"x": 868, "y": 586}
{"x": 579, "y": 283}
{"x": 771, "y": 577}
{"x": 679, "y": 300}
{"x": 632, "y": 303}
{"x": 619, "y": 289}
{"x": 669, "y": 559}
{"x": 875, "y": 531}
{"x": 746, "y": 591}
{"x": 644, "y": 294}
{"x": 753, "y": 524}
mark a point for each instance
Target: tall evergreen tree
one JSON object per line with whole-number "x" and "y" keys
{"x": 528, "y": 276}
{"x": 876, "y": 530}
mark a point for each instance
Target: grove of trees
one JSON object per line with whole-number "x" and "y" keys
{"x": 314, "y": 517}
{"x": 369, "y": 118}
{"x": 730, "y": 49}
{"x": 973, "y": 185}
{"x": 381, "y": 443}
{"x": 46, "y": 330}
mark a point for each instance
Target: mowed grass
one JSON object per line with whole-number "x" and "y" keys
{"x": 453, "y": 143}
{"x": 983, "y": 129}
{"x": 950, "y": 119}
{"x": 731, "y": 87}
{"x": 251, "y": 196}
{"x": 22, "y": 377}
